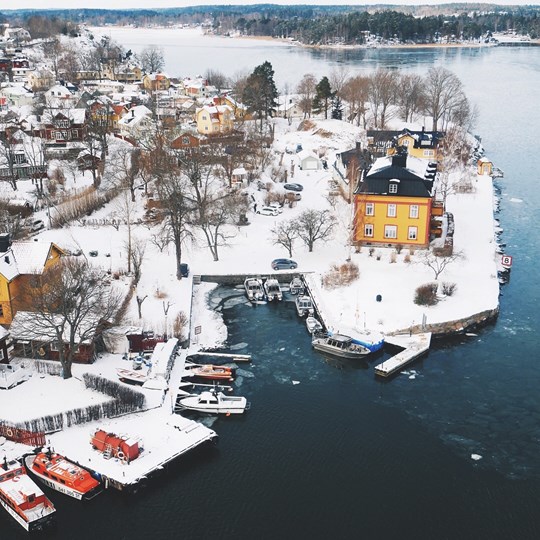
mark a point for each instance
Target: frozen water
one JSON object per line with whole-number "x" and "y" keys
{"x": 238, "y": 346}
{"x": 244, "y": 373}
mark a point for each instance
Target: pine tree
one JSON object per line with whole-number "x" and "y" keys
{"x": 323, "y": 94}
{"x": 337, "y": 108}
{"x": 260, "y": 93}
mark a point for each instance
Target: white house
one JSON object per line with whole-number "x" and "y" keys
{"x": 308, "y": 161}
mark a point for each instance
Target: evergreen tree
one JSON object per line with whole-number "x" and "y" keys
{"x": 260, "y": 93}
{"x": 323, "y": 94}
{"x": 337, "y": 108}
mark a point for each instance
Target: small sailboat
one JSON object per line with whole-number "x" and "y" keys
{"x": 214, "y": 402}
{"x": 62, "y": 475}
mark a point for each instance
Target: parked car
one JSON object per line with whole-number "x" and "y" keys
{"x": 37, "y": 225}
{"x": 284, "y": 264}
{"x": 277, "y": 207}
{"x": 93, "y": 253}
{"x": 294, "y": 187}
{"x": 184, "y": 269}
{"x": 293, "y": 196}
{"x": 268, "y": 211}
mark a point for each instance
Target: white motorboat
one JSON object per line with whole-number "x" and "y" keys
{"x": 296, "y": 286}
{"x": 11, "y": 375}
{"x": 214, "y": 402}
{"x": 313, "y": 325}
{"x": 339, "y": 345}
{"x": 254, "y": 289}
{"x": 304, "y": 306}
{"x": 272, "y": 289}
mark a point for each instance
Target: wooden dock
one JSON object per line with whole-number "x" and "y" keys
{"x": 413, "y": 347}
{"x": 233, "y": 356}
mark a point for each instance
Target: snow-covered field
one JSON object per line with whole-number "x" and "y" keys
{"x": 251, "y": 252}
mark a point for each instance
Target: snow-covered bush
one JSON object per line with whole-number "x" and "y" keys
{"x": 426, "y": 295}
{"x": 339, "y": 276}
{"x": 130, "y": 398}
{"x": 448, "y": 289}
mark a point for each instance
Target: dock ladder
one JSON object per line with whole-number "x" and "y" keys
{"x": 107, "y": 453}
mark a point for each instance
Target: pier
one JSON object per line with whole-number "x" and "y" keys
{"x": 414, "y": 346}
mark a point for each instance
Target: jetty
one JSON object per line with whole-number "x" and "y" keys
{"x": 414, "y": 346}
{"x": 234, "y": 357}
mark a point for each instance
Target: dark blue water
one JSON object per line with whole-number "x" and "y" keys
{"x": 342, "y": 455}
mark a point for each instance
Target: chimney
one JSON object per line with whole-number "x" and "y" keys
{"x": 399, "y": 160}
{"x": 5, "y": 242}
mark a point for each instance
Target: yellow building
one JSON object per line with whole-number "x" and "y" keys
{"x": 419, "y": 144}
{"x": 156, "y": 81}
{"x": 393, "y": 204}
{"x": 214, "y": 120}
{"x": 19, "y": 263}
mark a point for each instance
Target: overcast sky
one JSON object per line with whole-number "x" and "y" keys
{"x": 122, "y": 4}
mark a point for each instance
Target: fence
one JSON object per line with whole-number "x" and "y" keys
{"x": 23, "y": 436}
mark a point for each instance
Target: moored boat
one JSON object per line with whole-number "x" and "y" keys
{"x": 215, "y": 403}
{"x": 313, "y": 325}
{"x": 62, "y": 475}
{"x": 304, "y": 306}
{"x": 296, "y": 286}
{"x": 254, "y": 289}
{"x": 130, "y": 376}
{"x": 23, "y": 499}
{"x": 11, "y": 375}
{"x": 209, "y": 372}
{"x": 272, "y": 289}
{"x": 339, "y": 345}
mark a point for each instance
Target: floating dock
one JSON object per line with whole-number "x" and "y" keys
{"x": 232, "y": 356}
{"x": 163, "y": 436}
{"x": 413, "y": 346}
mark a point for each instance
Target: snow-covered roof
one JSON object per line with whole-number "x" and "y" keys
{"x": 24, "y": 258}
{"x": 77, "y": 116}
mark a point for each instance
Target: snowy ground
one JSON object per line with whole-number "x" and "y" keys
{"x": 250, "y": 252}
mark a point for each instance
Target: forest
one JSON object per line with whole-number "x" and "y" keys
{"x": 316, "y": 25}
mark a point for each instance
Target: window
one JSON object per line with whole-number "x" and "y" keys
{"x": 413, "y": 211}
{"x": 413, "y": 233}
{"x": 405, "y": 142}
{"x": 391, "y": 210}
{"x": 429, "y": 153}
{"x": 390, "y": 231}
{"x": 19, "y": 158}
{"x": 392, "y": 188}
{"x": 370, "y": 209}
{"x": 54, "y": 346}
{"x": 185, "y": 140}
{"x": 58, "y": 135}
{"x": 204, "y": 117}
{"x": 368, "y": 230}
{"x": 74, "y": 133}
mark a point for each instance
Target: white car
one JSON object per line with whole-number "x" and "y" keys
{"x": 268, "y": 211}
{"x": 37, "y": 225}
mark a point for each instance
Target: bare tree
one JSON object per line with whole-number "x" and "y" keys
{"x": 382, "y": 94}
{"x": 125, "y": 208}
{"x": 137, "y": 250}
{"x": 70, "y": 302}
{"x": 443, "y": 92}
{"x": 314, "y": 225}
{"x": 140, "y": 300}
{"x": 217, "y": 79}
{"x": 437, "y": 264}
{"x": 179, "y": 209}
{"x": 356, "y": 93}
{"x": 152, "y": 59}
{"x": 306, "y": 90}
{"x": 285, "y": 234}
{"x": 338, "y": 78}
{"x": 411, "y": 95}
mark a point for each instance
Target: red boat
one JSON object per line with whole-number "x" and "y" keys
{"x": 23, "y": 499}
{"x": 62, "y": 475}
{"x": 210, "y": 372}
